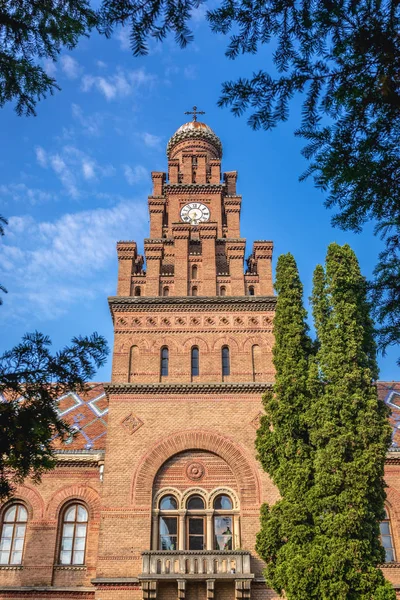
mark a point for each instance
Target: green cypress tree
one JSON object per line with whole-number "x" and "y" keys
{"x": 350, "y": 434}
{"x": 282, "y": 440}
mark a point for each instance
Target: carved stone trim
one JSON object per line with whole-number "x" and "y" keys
{"x": 131, "y": 423}
{"x": 193, "y": 491}
{"x": 193, "y": 303}
{"x": 186, "y": 388}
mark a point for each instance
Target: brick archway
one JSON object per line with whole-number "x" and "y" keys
{"x": 72, "y": 492}
{"x": 235, "y": 456}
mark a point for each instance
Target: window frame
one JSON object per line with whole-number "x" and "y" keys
{"x": 168, "y": 514}
{"x": 162, "y": 359}
{"x": 15, "y": 523}
{"x": 62, "y": 523}
{"x": 226, "y": 368}
{"x": 194, "y": 362}
{"x": 221, "y": 513}
{"x": 387, "y": 535}
{"x": 192, "y": 514}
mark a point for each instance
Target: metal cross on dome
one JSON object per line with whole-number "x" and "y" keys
{"x": 195, "y": 112}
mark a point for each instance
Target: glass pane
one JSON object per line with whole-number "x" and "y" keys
{"x": 22, "y": 513}
{"x": 7, "y": 531}
{"x": 223, "y": 533}
{"x": 195, "y": 503}
{"x": 4, "y": 556}
{"x": 66, "y": 544}
{"x": 70, "y": 513}
{"x": 82, "y": 513}
{"x": 65, "y": 557}
{"x": 19, "y": 544}
{"x": 10, "y": 514}
{"x": 196, "y": 542}
{"x": 80, "y": 531}
{"x": 196, "y": 526}
{"x": 5, "y": 544}
{"x": 68, "y": 531}
{"x": 389, "y": 555}
{"x": 80, "y": 543}
{"x": 16, "y": 558}
{"x": 223, "y": 503}
{"x": 168, "y": 526}
{"x": 20, "y": 531}
{"x": 387, "y": 541}
{"x": 168, "y": 542}
{"x": 168, "y": 503}
{"x": 384, "y": 527}
{"x": 78, "y": 558}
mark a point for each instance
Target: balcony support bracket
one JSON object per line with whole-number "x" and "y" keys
{"x": 210, "y": 589}
{"x": 149, "y": 589}
{"x": 181, "y": 589}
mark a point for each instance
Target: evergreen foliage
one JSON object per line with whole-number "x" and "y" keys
{"x": 321, "y": 540}
{"x": 31, "y": 30}
{"x": 31, "y": 381}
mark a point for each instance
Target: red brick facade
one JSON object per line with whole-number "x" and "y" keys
{"x": 177, "y": 422}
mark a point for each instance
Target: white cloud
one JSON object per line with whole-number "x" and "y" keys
{"x": 91, "y": 124}
{"x": 150, "y": 140}
{"x": 41, "y": 156}
{"x": 70, "y": 67}
{"x": 101, "y": 64}
{"x": 51, "y": 265}
{"x": 190, "y": 72}
{"x": 135, "y": 174}
{"x": 122, "y": 36}
{"x": 69, "y": 163}
{"x": 50, "y": 67}
{"x": 119, "y": 85}
{"x": 20, "y": 192}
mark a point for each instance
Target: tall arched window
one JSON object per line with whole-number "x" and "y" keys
{"x": 196, "y": 523}
{"x": 387, "y": 539}
{"x": 73, "y": 535}
{"x": 194, "y": 291}
{"x": 166, "y": 291}
{"x": 164, "y": 361}
{"x": 256, "y": 360}
{"x": 133, "y": 362}
{"x": 251, "y": 290}
{"x": 168, "y": 523}
{"x": 137, "y": 291}
{"x": 194, "y": 272}
{"x": 223, "y": 523}
{"x": 13, "y": 534}
{"x": 222, "y": 290}
{"x": 195, "y": 362}
{"x": 226, "y": 367}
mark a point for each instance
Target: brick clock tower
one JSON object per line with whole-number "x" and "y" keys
{"x": 192, "y": 356}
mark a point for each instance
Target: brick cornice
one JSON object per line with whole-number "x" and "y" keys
{"x": 194, "y": 188}
{"x": 186, "y": 388}
{"x": 191, "y": 303}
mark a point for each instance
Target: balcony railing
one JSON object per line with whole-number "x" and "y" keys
{"x": 196, "y": 564}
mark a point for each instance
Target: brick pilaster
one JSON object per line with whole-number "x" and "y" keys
{"x": 263, "y": 255}
{"x": 127, "y": 253}
{"x": 181, "y": 233}
{"x": 208, "y": 236}
{"x": 153, "y": 250}
{"x": 235, "y": 250}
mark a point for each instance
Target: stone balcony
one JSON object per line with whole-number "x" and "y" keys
{"x": 209, "y": 566}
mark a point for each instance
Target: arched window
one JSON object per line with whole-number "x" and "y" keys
{"x": 138, "y": 291}
{"x": 73, "y": 535}
{"x": 195, "y": 361}
{"x": 13, "y": 534}
{"x": 133, "y": 362}
{"x": 256, "y": 362}
{"x": 223, "y": 523}
{"x": 194, "y": 272}
{"x": 164, "y": 361}
{"x": 222, "y": 290}
{"x": 386, "y": 539}
{"x": 168, "y": 523}
{"x": 196, "y": 523}
{"x": 226, "y": 368}
{"x": 194, "y": 291}
{"x": 251, "y": 290}
{"x": 166, "y": 291}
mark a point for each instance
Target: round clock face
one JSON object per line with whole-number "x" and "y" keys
{"x": 195, "y": 213}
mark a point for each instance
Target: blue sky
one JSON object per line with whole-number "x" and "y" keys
{"x": 75, "y": 179}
